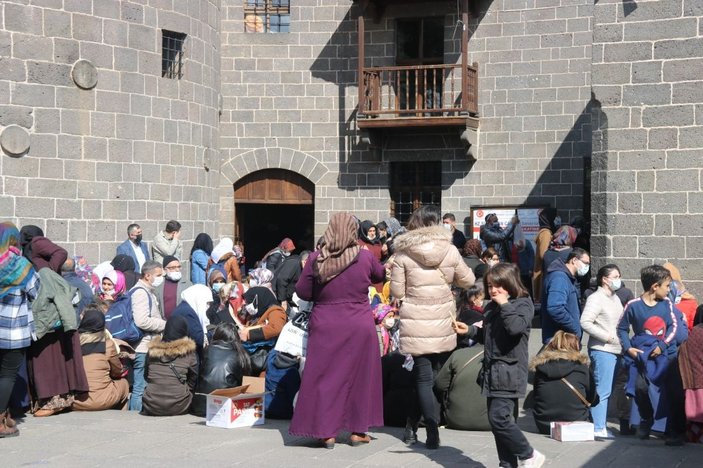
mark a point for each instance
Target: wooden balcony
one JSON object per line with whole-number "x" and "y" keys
{"x": 418, "y": 95}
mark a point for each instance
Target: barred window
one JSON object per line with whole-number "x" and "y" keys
{"x": 263, "y": 16}
{"x": 414, "y": 184}
{"x": 172, "y": 54}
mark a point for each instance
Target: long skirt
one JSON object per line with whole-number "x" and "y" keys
{"x": 342, "y": 385}
{"x": 55, "y": 365}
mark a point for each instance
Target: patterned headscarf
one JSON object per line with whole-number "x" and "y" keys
{"x": 83, "y": 269}
{"x": 564, "y": 237}
{"x": 393, "y": 226}
{"x": 261, "y": 277}
{"x": 15, "y": 270}
{"x": 340, "y": 249}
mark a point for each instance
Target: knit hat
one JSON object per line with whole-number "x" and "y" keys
{"x": 168, "y": 259}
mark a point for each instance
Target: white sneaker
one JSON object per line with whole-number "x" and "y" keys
{"x": 604, "y": 434}
{"x": 535, "y": 461}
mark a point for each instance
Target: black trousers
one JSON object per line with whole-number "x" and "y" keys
{"x": 10, "y": 362}
{"x": 425, "y": 371}
{"x": 511, "y": 443}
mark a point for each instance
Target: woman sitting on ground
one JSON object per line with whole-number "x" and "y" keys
{"x": 171, "y": 371}
{"x": 102, "y": 364}
{"x": 224, "y": 365}
{"x": 564, "y": 387}
{"x": 112, "y": 286}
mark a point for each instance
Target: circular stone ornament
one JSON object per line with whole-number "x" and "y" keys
{"x": 84, "y": 74}
{"x": 15, "y": 140}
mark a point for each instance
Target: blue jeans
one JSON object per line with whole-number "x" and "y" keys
{"x": 604, "y": 364}
{"x": 139, "y": 383}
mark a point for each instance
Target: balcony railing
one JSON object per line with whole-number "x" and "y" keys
{"x": 424, "y": 92}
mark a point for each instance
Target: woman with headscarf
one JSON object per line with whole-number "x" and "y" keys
{"x": 19, "y": 284}
{"x": 260, "y": 321}
{"x": 261, "y": 277}
{"x": 542, "y": 241}
{"x": 54, "y": 363}
{"x": 41, "y": 251}
{"x": 126, "y": 265}
{"x": 368, "y": 238}
{"x": 112, "y": 286}
{"x": 684, "y": 300}
{"x": 193, "y": 307}
{"x": 342, "y": 384}
{"x": 103, "y": 368}
{"x": 222, "y": 256}
{"x": 199, "y": 255}
{"x": 171, "y": 372}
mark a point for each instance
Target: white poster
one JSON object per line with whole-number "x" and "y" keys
{"x": 529, "y": 220}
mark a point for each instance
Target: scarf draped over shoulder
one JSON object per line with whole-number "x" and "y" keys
{"x": 341, "y": 247}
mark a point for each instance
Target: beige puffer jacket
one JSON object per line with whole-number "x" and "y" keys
{"x": 425, "y": 266}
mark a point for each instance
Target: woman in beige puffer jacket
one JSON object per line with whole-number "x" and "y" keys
{"x": 425, "y": 267}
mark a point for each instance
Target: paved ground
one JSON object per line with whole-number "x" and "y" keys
{"x": 123, "y": 439}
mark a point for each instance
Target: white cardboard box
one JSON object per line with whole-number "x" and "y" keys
{"x": 576, "y": 431}
{"x": 237, "y": 407}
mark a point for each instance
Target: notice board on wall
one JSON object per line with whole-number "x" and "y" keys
{"x": 529, "y": 219}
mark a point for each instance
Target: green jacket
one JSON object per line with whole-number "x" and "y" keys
{"x": 53, "y": 306}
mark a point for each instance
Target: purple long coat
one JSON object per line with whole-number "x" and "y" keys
{"x": 341, "y": 387}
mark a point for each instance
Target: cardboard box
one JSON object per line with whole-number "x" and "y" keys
{"x": 237, "y": 407}
{"x": 576, "y": 431}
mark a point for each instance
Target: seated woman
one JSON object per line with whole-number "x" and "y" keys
{"x": 260, "y": 322}
{"x": 112, "y": 286}
{"x": 171, "y": 371}
{"x": 563, "y": 383}
{"x": 193, "y": 307}
{"x": 224, "y": 364}
{"x": 102, "y": 364}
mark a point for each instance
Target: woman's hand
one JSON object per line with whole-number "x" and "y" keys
{"x": 244, "y": 334}
{"x": 500, "y": 298}
{"x": 461, "y": 328}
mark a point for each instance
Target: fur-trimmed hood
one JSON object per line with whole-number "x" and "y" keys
{"x": 170, "y": 350}
{"x": 427, "y": 246}
{"x": 558, "y": 364}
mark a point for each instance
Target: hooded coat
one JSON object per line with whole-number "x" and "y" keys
{"x": 553, "y": 399}
{"x": 166, "y": 393}
{"x": 425, "y": 267}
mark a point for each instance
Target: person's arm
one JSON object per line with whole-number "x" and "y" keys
{"x": 624, "y": 330}
{"x": 281, "y": 282}
{"x": 179, "y": 249}
{"x": 54, "y": 255}
{"x": 32, "y": 286}
{"x": 304, "y": 286}
{"x": 116, "y": 369}
{"x": 233, "y": 271}
{"x": 672, "y": 323}
{"x": 200, "y": 259}
{"x": 589, "y": 317}
{"x": 463, "y": 276}
{"x": 558, "y": 289}
{"x": 378, "y": 272}
{"x": 516, "y": 316}
{"x": 273, "y": 321}
{"x": 398, "y": 279}
{"x": 143, "y": 317}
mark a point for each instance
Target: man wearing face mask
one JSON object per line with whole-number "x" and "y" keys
{"x": 494, "y": 236}
{"x": 168, "y": 242}
{"x": 458, "y": 237}
{"x": 134, "y": 247}
{"x": 147, "y": 316}
{"x": 561, "y": 308}
{"x": 169, "y": 293}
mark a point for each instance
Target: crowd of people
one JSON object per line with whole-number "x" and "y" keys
{"x": 410, "y": 326}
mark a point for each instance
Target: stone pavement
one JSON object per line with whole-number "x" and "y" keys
{"x": 123, "y": 439}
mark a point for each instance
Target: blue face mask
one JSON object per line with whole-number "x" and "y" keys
{"x": 217, "y": 286}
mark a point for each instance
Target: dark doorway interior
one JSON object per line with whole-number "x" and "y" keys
{"x": 262, "y": 226}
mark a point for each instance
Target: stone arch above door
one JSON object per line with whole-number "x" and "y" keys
{"x": 246, "y": 163}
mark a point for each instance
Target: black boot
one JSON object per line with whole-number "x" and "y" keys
{"x": 432, "y": 435}
{"x": 625, "y": 428}
{"x": 410, "y": 434}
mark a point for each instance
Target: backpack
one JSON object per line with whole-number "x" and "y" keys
{"x": 119, "y": 320}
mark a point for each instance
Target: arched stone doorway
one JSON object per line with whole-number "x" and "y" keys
{"x": 271, "y": 204}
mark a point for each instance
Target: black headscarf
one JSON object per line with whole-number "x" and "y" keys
{"x": 202, "y": 242}
{"x": 27, "y": 233}
{"x": 176, "y": 328}
{"x": 262, "y": 298}
{"x": 546, "y": 218}
{"x": 364, "y": 227}
{"x": 93, "y": 321}
{"x": 125, "y": 264}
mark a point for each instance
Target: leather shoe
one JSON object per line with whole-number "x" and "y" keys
{"x": 358, "y": 439}
{"x": 43, "y": 413}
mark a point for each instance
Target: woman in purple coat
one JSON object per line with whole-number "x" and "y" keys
{"x": 342, "y": 386}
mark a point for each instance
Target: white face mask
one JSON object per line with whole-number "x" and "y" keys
{"x": 174, "y": 275}
{"x": 492, "y": 262}
{"x": 158, "y": 281}
{"x": 615, "y": 284}
{"x": 447, "y": 226}
{"x": 557, "y": 221}
{"x": 583, "y": 269}
{"x": 286, "y": 253}
{"x": 390, "y": 322}
{"x": 217, "y": 286}
{"x": 250, "y": 309}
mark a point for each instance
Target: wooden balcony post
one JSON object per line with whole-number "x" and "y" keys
{"x": 360, "y": 33}
{"x": 464, "y": 55}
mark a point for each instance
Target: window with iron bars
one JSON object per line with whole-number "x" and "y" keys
{"x": 414, "y": 184}
{"x": 172, "y": 52}
{"x": 264, "y": 16}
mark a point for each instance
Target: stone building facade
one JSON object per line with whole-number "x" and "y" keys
{"x": 254, "y": 106}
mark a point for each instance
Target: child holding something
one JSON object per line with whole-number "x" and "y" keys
{"x": 505, "y": 333}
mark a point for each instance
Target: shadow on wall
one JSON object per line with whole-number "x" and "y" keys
{"x": 360, "y": 165}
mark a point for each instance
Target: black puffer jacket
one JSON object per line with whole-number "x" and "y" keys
{"x": 220, "y": 369}
{"x": 505, "y": 335}
{"x": 554, "y": 400}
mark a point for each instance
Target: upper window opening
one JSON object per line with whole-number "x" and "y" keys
{"x": 262, "y": 16}
{"x": 172, "y": 54}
